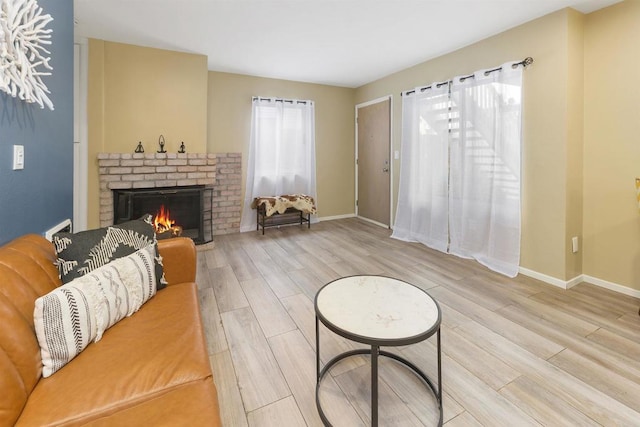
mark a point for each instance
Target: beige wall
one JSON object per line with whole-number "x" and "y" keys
{"x": 580, "y": 131}
{"x": 545, "y": 130}
{"x": 229, "y": 118}
{"x": 612, "y": 144}
{"x": 137, "y": 94}
{"x": 95, "y": 129}
{"x": 574, "y": 139}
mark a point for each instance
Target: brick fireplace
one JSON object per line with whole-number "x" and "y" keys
{"x": 220, "y": 171}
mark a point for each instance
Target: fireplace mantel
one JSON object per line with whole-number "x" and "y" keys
{"x": 222, "y": 171}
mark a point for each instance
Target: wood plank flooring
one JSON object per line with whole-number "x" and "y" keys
{"x": 516, "y": 352}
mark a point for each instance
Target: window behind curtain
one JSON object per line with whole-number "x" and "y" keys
{"x": 460, "y": 171}
{"x": 282, "y": 157}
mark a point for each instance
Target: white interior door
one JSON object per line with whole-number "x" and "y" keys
{"x": 373, "y": 163}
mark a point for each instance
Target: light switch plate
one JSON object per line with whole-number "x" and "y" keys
{"x": 18, "y": 157}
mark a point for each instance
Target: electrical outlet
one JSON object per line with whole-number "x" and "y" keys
{"x": 574, "y": 244}
{"x": 18, "y": 157}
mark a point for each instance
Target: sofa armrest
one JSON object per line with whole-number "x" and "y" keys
{"x": 179, "y": 259}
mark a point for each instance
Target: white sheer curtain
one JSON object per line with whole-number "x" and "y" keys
{"x": 423, "y": 204}
{"x": 485, "y": 169}
{"x": 480, "y": 173}
{"x": 282, "y": 155}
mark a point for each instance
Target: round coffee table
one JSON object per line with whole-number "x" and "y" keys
{"x": 378, "y": 311}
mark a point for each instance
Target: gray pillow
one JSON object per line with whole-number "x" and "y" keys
{"x": 82, "y": 252}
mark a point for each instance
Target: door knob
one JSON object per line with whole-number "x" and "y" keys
{"x": 385, "y": 169}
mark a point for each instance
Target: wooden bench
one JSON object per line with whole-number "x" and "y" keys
{"x": 290, "y": 216}
{"x": 274, "y": 211}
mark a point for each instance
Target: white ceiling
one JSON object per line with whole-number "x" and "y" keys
{"x": 337, "y": 42}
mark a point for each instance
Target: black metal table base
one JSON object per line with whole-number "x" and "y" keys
{"x": 375, "y": 352}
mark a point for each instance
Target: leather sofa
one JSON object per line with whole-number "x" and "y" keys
{"x": 149, "y": 369}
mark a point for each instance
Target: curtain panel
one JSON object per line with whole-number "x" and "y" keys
{"x": 423, "y": 198}
{"x": 470, "y": 152}
{"x": 282, "y": 155}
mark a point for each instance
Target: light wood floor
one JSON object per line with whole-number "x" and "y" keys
{"x": 516, "y": 352}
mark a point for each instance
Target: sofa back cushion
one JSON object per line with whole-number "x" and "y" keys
{"x": 27, "y": 271}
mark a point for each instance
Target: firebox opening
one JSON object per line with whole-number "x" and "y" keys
{"x": 165, "y": 225}
{"x": 188, "y": 210}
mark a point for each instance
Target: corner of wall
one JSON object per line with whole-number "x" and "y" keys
{"x": 95, "y": 125}
{"x": 611, "y": 155}
{"x": 574, "y": 142}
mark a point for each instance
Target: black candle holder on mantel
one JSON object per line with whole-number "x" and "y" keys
{"x": 161, "y": 144}
{"x": 139, "y": 148}
{"x": 182, "y": 148}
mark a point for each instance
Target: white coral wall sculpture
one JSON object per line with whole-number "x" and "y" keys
{"x": 24, "y": 58}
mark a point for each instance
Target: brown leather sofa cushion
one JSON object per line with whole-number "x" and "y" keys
{"x": 168, "y": 410}
{"x": 178, "y": 259}
{"x": 26, "y": 272}
{"x": 156, "y": 352}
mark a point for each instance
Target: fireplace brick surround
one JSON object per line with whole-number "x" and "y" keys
{"x": 221, "y": 171}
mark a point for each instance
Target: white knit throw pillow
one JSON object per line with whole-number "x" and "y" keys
{"x": 68, "y": 318}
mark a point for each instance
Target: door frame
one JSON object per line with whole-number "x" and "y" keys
{"x": 80, "y": 134}
{"x": 390, "y": 153}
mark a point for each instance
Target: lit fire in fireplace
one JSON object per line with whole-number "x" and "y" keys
{"x": 164, "y": 224}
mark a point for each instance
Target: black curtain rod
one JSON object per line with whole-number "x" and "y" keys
{"x": 525, "y": 63}
{"x": 290, "y": 101}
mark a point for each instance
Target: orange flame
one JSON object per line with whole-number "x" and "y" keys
{"x": 162, "y": 221}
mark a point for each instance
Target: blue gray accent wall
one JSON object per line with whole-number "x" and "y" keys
{"x": 40, "y": 196}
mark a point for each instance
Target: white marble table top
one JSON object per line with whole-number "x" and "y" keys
{"x": 377, "y": 307}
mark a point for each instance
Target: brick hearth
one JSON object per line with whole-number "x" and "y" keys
{"x": 221, "y": 171}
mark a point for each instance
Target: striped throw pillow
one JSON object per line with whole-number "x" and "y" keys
{"x": 70, "y": 317}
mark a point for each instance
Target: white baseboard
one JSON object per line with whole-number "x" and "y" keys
{"x": 544, "y": 278}
{"x": 576, "y": 280}
{"x": 379, "y": 224}
{"x": 64, "y": 225}
{"x": 611, "y": 286}
{"x": 331, "y": 218}
{"x": 567, "y": 284}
